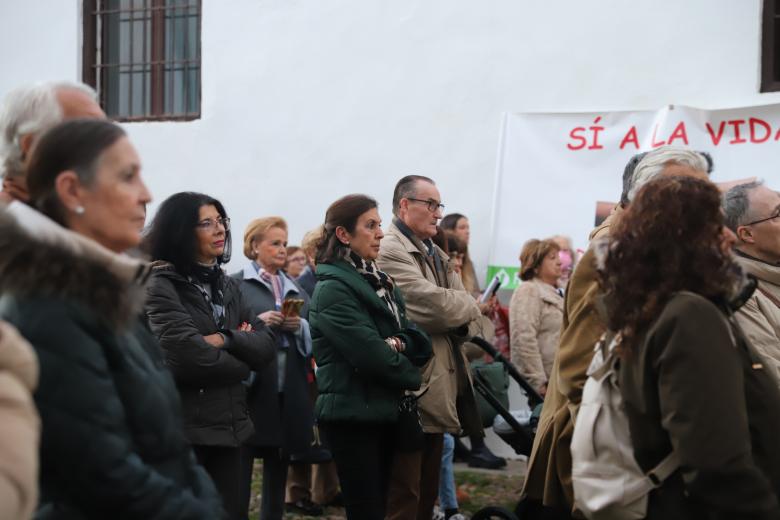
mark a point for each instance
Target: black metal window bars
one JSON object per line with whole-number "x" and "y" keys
{"x": 143, "y": 57}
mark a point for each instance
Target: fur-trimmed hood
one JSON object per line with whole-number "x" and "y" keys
{"x": 42, "y": 259}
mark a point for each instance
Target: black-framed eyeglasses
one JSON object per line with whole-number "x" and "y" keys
{"x": 774, "y": 216}
{"x": 210, "y": 223}
{"x": 433, "y": 205}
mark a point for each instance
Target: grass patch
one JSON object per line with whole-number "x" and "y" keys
{"x": 476, "y": 489}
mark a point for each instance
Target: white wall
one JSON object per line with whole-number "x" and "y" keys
{"x": 307, "y": 100}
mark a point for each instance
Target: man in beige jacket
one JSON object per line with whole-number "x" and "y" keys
{"x": 753, "y": 214}
{"x": 438, "y": 303}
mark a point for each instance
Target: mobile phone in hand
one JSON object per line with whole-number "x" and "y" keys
{"x": 292, "y": 307}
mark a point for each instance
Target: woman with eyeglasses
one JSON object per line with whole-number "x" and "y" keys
{"x": 211, "y": 338}
{"x": 296, "y": 261}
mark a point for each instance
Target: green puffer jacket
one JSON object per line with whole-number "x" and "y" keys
{"x": 359, "y": 377}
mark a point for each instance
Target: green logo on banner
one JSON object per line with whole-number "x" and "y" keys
{"x": 510, "y": 276}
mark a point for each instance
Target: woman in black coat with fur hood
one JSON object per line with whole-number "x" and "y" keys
{"x": 211, "y": 338}
{"x": 112, "y": 442}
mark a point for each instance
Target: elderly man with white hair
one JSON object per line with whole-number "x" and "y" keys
{"x": 752, "y": 212}
{"x": 548, "y": 478}
{"x": 27, "y": 113}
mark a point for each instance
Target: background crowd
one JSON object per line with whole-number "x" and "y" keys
{"x": 144, "y": 381}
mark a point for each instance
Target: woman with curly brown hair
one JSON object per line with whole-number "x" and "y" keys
{"x": 690, "y": 381}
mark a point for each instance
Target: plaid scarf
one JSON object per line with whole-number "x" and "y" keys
{"x": 212, "y": 276}
{"x": 378, "y": 280}
{"x": 277, "y": 287}
{"x": 274, "y": 280}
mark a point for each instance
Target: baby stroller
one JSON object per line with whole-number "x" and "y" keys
{"x": 516, "y": 428}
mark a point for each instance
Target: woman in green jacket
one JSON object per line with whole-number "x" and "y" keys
{"x": 367, "y": 353}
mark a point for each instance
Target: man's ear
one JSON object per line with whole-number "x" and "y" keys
{"x": 68, "y": 188}
{"x": 25, "y": 145}
{"x": 744, "y": 234}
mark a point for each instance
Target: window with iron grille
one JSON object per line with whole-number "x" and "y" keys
{"x": 770, "y": 47}
{"x": 143, "y": 57}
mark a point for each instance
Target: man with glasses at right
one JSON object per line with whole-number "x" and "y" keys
{"x": 753, "y": 213}
{"x": 438, "y": 303}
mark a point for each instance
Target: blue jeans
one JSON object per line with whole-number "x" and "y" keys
{"x": 447, "y": 496}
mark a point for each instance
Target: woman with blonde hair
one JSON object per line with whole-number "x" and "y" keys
{"x": 568, "y": 259}
{"x": 308, "y": 279}
{"x": 278, "y": 398}
{"x": 536, "y": 312}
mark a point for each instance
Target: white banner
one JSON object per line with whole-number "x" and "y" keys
{"x": 553, "y": 168}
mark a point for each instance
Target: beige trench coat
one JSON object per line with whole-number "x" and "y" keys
{"x": 548, "y": 477}
{"x": 760, "y": 316}
{"x": 19, "y": 426}
{"x": 535, "y": 317}
{"x": 439, "y": 311}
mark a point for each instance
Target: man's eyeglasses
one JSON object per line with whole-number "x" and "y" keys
{"x": 774, "y": 216}
{"x": 210, "y": 223}
{"x": 433, "y": 205}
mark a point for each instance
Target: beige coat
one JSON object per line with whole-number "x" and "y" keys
{"x": 443, "y": 309}
{"x": 760, "y": 316}
{"x": 535, "y": 317}
{"x": 548, "y": 477}
{"x": 19, "y": 426}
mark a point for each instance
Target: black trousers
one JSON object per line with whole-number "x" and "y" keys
{"x": 274, "y": 480}
{"x": 223, "y": 464}
{"x": 364, "y": 455}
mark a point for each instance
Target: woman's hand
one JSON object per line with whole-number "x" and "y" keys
{"x": 245, "y": 327}
{"x": 216, "y": 340}
{"x": 272, "y": 318}
{"x": 291, "y": 323}
{"x": 487, "y": 307}
{"x": 543, "y": 390}
{"x": 396, "y": 344}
